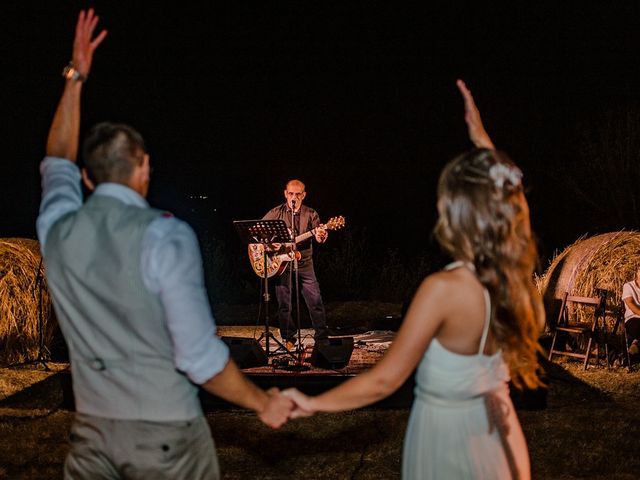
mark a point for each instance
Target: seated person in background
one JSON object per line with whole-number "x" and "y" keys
{"x": 631, "y": 298}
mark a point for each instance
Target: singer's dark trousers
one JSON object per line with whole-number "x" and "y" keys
{"x": 310, "y": 290}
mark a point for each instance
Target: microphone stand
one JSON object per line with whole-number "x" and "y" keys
{"x": 300, "y": 348}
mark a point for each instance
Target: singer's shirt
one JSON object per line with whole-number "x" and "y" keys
{"x": 170, "y": 263}
{"x": 305, "y": 219}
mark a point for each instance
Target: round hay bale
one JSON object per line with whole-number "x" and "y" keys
{"x": 24, "y": 299}
{"x": 589, "y": 266}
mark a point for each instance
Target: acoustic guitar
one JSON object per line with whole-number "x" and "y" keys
{"x": 277, "y": 259}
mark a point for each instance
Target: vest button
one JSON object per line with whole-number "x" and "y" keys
{"x": 97, "y": 364}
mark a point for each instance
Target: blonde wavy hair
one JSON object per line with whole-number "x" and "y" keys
{"x": 484, "y": 219}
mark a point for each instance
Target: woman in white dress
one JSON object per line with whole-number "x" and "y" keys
{"x": 470, "y": 328}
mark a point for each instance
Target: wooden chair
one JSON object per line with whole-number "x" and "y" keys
{"x": 592, "y": 328}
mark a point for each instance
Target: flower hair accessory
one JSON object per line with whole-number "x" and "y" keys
{"x": 501, "y": 173}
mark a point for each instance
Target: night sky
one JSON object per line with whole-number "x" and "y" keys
{"x": 355, "y": 98}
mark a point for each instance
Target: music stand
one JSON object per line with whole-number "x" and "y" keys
{"x": 264, "y": 232}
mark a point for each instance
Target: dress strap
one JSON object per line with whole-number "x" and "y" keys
{"x": 487, "y": 320}
{"x": 458, "y": 264}
{"x": 487, "y": 301}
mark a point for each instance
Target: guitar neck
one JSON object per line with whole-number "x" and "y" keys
{"x": 302, "y": 237}
{"x": 332, "y": 224}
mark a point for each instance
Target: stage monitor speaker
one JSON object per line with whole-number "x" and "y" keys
{"x": 332, "y": 353}
{"x": 246, "y": 352}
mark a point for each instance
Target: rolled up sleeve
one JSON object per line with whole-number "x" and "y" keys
{"x": 61, "y": 193}
{"x": 172, "y": 268}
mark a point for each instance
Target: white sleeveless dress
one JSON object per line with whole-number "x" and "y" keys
{"x": 463, "y": 424}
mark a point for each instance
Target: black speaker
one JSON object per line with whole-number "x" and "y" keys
{"x": 332, "y": 353}
{"x": 246, "y": 352}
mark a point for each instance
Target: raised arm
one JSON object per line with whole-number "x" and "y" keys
{"x": 477, "y": 134}
{"x": 61, "y": 191}
{"x": 64, "y": 132}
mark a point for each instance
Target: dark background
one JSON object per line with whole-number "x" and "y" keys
{"x": 357, "y": 99}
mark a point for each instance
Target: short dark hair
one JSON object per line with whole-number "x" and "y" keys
{"x": 111, "y": 151}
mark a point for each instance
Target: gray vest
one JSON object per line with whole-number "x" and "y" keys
{"x": 120, "y": 350}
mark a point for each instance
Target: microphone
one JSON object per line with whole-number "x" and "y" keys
{"x": 293, "y": 204}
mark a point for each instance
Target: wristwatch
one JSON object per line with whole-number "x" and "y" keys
{"x": 70, "y": 73}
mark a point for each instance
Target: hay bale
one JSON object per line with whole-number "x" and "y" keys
{"x": 20, "y": 288}
{"x": 602, "y": 262}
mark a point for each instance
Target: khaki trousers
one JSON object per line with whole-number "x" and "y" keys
{"x": 103, "y": 448}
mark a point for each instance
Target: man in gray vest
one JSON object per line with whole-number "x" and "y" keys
{"x": 128, "y": 290}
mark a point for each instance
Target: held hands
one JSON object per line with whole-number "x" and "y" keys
{"x": 282, "y": 406}
{"x": 477, "y": 134}
{"x": 278, "y": 409}
{"x": 302, "y": 404}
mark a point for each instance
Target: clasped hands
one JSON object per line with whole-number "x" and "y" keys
{"x": 282, "y": 406}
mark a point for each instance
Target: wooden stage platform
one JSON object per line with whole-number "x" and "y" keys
{"x": 368, "y": 349}
{"x": 282, "y": 370}
{"x": 286, "y": 370}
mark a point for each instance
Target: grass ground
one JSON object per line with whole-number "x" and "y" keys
{"x": 588, "y": 430}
